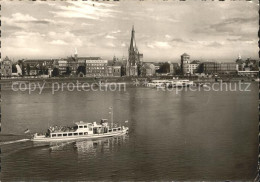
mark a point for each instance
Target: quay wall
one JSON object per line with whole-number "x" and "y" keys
{"x": 6, "y": 83}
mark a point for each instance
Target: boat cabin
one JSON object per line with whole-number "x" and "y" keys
{"x": 81, "y": 129}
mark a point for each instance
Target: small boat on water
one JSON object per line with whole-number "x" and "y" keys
{"x": 81, "y": 130}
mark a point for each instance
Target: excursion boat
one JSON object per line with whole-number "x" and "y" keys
{"x": 181, "y": 83}
{"x": 159, "y": 83}
{"x": 169, "y": 83}
{"x": 81, "y": 130}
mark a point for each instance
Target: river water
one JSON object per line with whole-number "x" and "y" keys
{"x": 190, "y": 135}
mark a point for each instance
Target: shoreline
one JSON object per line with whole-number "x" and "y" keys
{"x": 125, "y": 79}
{"x": 88, "y": 82}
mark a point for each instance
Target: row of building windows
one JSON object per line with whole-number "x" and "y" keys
{"x": 63, "y": 65}
{"x": 97, "y": 68}
{"x": 110, "y": 71}
{"x": 95, "y": 71}
{"x": 96, "y": 64}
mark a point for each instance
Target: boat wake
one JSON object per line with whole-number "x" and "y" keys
{"x": 14, "y": 141}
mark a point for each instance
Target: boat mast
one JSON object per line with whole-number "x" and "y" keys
{"x": 112, "y": 117}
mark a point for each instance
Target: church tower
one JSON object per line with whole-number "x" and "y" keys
{"x": 133, "y": 57}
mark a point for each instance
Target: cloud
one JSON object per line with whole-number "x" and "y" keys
{"x": 110, "y": 44}
{"x": 58, "y": 42}
{"x": 18, "y": 21}
{"x": 162, "y": 44}
{"x": 86, "y": 24}
{"x": 150, "y": 9}
{"x": 178, "y": 40}
{"x": 22, "y": 17}
{"x": 66, "y": 37}
{"x": 237, "y": 20}
{"x": 159, "y": 18}
{"x": 28, "y": 35}
{"x": 241, "y": 40}
{"x": 159, "y": 44}
{"x": 110, "y": 37}
{"x": 214, "y": 44}
{"x": 168, "y": 36}
{"x": 88, "y": 10}
{"x": 160, "y": 28}
{"x": 23, "y": 42}
{"x": 150, "y": 46}
{"x": 19, "y": 18}
{"x": 172, "y": 20}
{"x": 116, "y": 31}
{"x": 230, "y": 26}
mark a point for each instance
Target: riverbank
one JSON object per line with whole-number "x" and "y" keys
{"x": 128, "y": 81}
{"x": 125, "y": 78}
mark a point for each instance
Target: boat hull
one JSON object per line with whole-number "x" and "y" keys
{"x": 68, "y": 138}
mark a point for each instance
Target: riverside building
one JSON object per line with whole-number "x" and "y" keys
{"x": 219, "y": 68}
{"x": 6, "y": 67}
{"x": 96, "y": 67}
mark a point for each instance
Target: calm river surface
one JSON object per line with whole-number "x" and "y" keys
{"x": 192, "y": 135}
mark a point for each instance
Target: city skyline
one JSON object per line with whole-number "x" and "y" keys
{"x": 104, "y": 29}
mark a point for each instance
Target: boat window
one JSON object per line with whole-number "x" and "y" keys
{"x": 53, "y": 135}
{"x": 80, "y": 126}
{"x": 75, "y": 133}
{"x": 109, "y": 130}
{"x": 70, "y": 134}
{"x": 114, "y": 129}
{"x": 59, "y": 135}
{"x": 85, "y": 126}
{"x": 85, "y": 133}
{"x": 80, "y": 133}
{"x": 119, "y": 129}
{"x": 65, "y": 134}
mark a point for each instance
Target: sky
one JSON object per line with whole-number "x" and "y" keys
{"x": 209, "y": 30}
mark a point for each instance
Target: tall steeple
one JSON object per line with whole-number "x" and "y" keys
{"x": 131, "y": 48}
{"x": 76, "y": 54}
{"x": 133, "y": 62}
{"x": 133, "y": 52}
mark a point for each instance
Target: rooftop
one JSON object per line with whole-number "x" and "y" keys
{"x": 117, "y": 63}
{"x": 185, "y": 54}
{"x": 90, "y": 58}
{"x": 38, "y": 60}
{"x": 195, "y": 62}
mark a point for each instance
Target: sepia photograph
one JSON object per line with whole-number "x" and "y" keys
{"x": 129, "y": 90}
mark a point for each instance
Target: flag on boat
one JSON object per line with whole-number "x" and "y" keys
{"x": 27, "y": 131}
{"x": 126, "y": 121}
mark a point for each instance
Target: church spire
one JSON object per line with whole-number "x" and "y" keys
{"x": 133, "y": 56}
{"x": 132, "y": 40}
